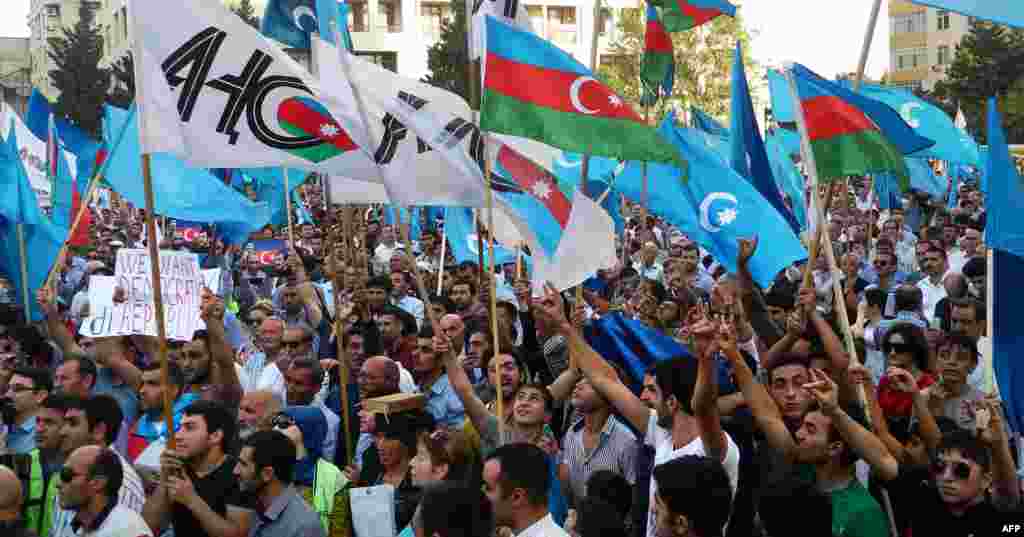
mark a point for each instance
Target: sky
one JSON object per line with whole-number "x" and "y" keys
{"x": 824, "y": 35}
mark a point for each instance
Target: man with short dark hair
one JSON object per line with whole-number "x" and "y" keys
{"x": 400, "y": 297}
{"x": 454, "y": 510}
{"x": 96, "y": 421}
{"x": 464, "y": 295}
{"x": 442, "y": 401}
{"x": 397, "y": 344}
{"x": 89, "y": 486}
{"x": 198, "y": 493}
{"x": 303, "y": 380}
{"x": 47, "y": 460}
{"x": 27, "y": 389}
{"x": 150, "y": 426}
{"x": 265, "y": 468}
{"x": 76, "y": 376}
{"x": 967, "y": 317}
{"x": 516, "y": 482}
{"x": 693, "y": 497}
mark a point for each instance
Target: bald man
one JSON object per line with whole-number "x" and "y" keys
{"x": 88, "y": 487}
{"x": 453, "y": 327}
{"x": 10, "y": 505}
{"x": 256, "y": 411}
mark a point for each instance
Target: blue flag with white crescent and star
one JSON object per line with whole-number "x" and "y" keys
{"x": 715, "y": 207}
{"x": 747, "y": 153}
{"x": 292, "y": 21}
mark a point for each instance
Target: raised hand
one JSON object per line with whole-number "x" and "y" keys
{"x": 746, "y": 249}
{"x": 550, "y": 308}
{"x": 902, "y": 380}
{"x": 824, "y": 391}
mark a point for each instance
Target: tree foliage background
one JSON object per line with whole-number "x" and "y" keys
{"x": 77, "y": 74}
{"x": 988, "y": 61}
{"x": 447, "y": 59}
{"x": 122, "y": 91}
{"x": 245, "y": 10}
{"x": 703, "y": 58}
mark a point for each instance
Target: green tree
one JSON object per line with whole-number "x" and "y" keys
{"x": 987, "y": 63}
{"x": 78, "y": 77}
{"x": 247, "y": 13}
{"x": 122, "y": 92}
{"x": 447, "y": 59}
{"x": 703, "y": 59}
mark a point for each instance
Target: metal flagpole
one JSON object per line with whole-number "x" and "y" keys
{"x": 440, "y": 271}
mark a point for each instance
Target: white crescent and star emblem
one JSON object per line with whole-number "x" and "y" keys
{"x": 267, "y": 258}
{"x": 567, "y": 163}
{"x": 301, "y": 12}
{"x": 574, "y": 94}
{"x": 725, "y": 216}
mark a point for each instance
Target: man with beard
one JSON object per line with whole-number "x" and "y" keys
{"x": 265, "y": 468}
{"x": 198, "y": 493}
{"x": 467, "y": 306}
{"x": 693, "y": 498}
{"x": 208, "y": 361}
{"x": 47, "y": 460}
{"x": 88, "y": 488}
{"x": 260, "y": 371}
{"x": 150, "y": 426}
{"x": 256, "y": 412}
{"x": 303, "y": 381}
{"x": 94, "y": 422}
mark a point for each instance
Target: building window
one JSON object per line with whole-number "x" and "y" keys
{"x": 562, "y": 25}
{"x": 562, "y": 15}
{"x": 910, "y": 58}
{"x": 432, "y": 17}
{"x": 389, "y": 16}
{"x": 943, "y": 18}
{"x": 911, "y": 23}
{"x": 358, "y": 17}
{"x": 913, "y": 85}
{"x": 536, "y": 15}
{"x": 607, "y": 21}
{"x": 387, "y": 60}
{"x": 944, "y": 58}
{"x": 53, "y": 11}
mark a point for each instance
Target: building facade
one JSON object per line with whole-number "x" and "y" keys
{"x": 922, "y": 42}
{"x": 15, "y": 73}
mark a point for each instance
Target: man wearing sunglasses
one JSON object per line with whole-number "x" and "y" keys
{"x": 89, "y": 486}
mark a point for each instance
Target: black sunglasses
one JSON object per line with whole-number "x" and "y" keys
{"x": 282, "y": 421}
{"x": 961, "y": 470}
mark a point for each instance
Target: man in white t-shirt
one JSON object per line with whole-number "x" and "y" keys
{"x": 679, "y": 424}
{"x": 89, "y": 484}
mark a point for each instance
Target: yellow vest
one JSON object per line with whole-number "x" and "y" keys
{"x": 328, "y": 482}
{"x": 38, "y": 503}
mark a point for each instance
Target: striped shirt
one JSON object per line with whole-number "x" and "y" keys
{"x": 131, "y": 496}
{"x": 616, "y": 451}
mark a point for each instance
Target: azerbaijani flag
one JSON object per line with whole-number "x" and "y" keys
{"x": 682, "y": 15}
{"x": 851, "y": 134}
{"x": 536, "y": 90}
{"x": 535, "y": 197}
{"x": 658, "y": 67}
{"x": 266, "y": 251}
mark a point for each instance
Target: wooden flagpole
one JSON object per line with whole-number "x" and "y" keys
{"x": 288, "y": 209}
{"x": 440, "y": 270}
{"x": 158, "y": 300}
{"x": 492, "y": 288}
{"x": 23, "y": 265}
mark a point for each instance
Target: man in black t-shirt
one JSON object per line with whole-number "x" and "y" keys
{"x": 198, "y": 493}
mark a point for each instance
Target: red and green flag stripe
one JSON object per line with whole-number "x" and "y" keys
{"x": 682, "y": 15}
{"x": 658, "y": 68}
{"x": 535, "y": 90}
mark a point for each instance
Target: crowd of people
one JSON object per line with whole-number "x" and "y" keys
{"x": 762, "y": 424}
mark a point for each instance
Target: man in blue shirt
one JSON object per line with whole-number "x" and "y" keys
{"x": 442, "y": 401}
{"x": 27, "y": 390}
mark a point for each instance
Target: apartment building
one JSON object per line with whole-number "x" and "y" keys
{"x": 922, "y": 43}
{"x": 15, "y": 71}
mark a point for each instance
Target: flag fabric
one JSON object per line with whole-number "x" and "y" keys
{"x": 658, "y": 66}
{"x": 747, "y": 152}
{"x": 189, "y": 231}
{"x": 269, "y": 187}
{"x": 458, "y": 224}
{"x": 512, "y": 12}
{"x": 81, "y": 235}
{"x": 216, "y": 93}
{"x": 180, "y": 191}
{"x": 32, "y": 151}
{"x": 1007, "y": 340}
{"x": 888, "y": 190}
{"x": 535, "y": 90}
{"x": 43, "y": 239}
{"x": 601, "y": 174}
{"x": 83, "y": 147}
{"x": 1010, "y": 13}
{"x": 292, "y": 22}
{"x": 1004, "y": 229}
{"x": 715, "y": 207}
{"x": 788, "y": 178}
{"x": 410, "y": 217}
{"x": 851, "y": 134}
{"x": 682, "y": 15}
{"x": 344, "y": 10}
{"x": 535, "y": 196}
{"x": 632, "y": 345}
{"x": 429, "y": 152}
{"x": 788, "y": 139}
{"x": 781, "y": 96}
{"x": 952, "y": 143}
{"x": 64, "y": 190}
{"x": 701, "y": 121}
{"x": 267, "y": 251}
{"x": 923, "y": 178}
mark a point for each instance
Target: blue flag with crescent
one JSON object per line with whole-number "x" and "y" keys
{"x": 292, "y": 21}
{"x": 715, "y": 207}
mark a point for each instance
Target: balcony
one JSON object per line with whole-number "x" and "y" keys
{"x": 389, "y": 17}
{"x": 358, "y": 17}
